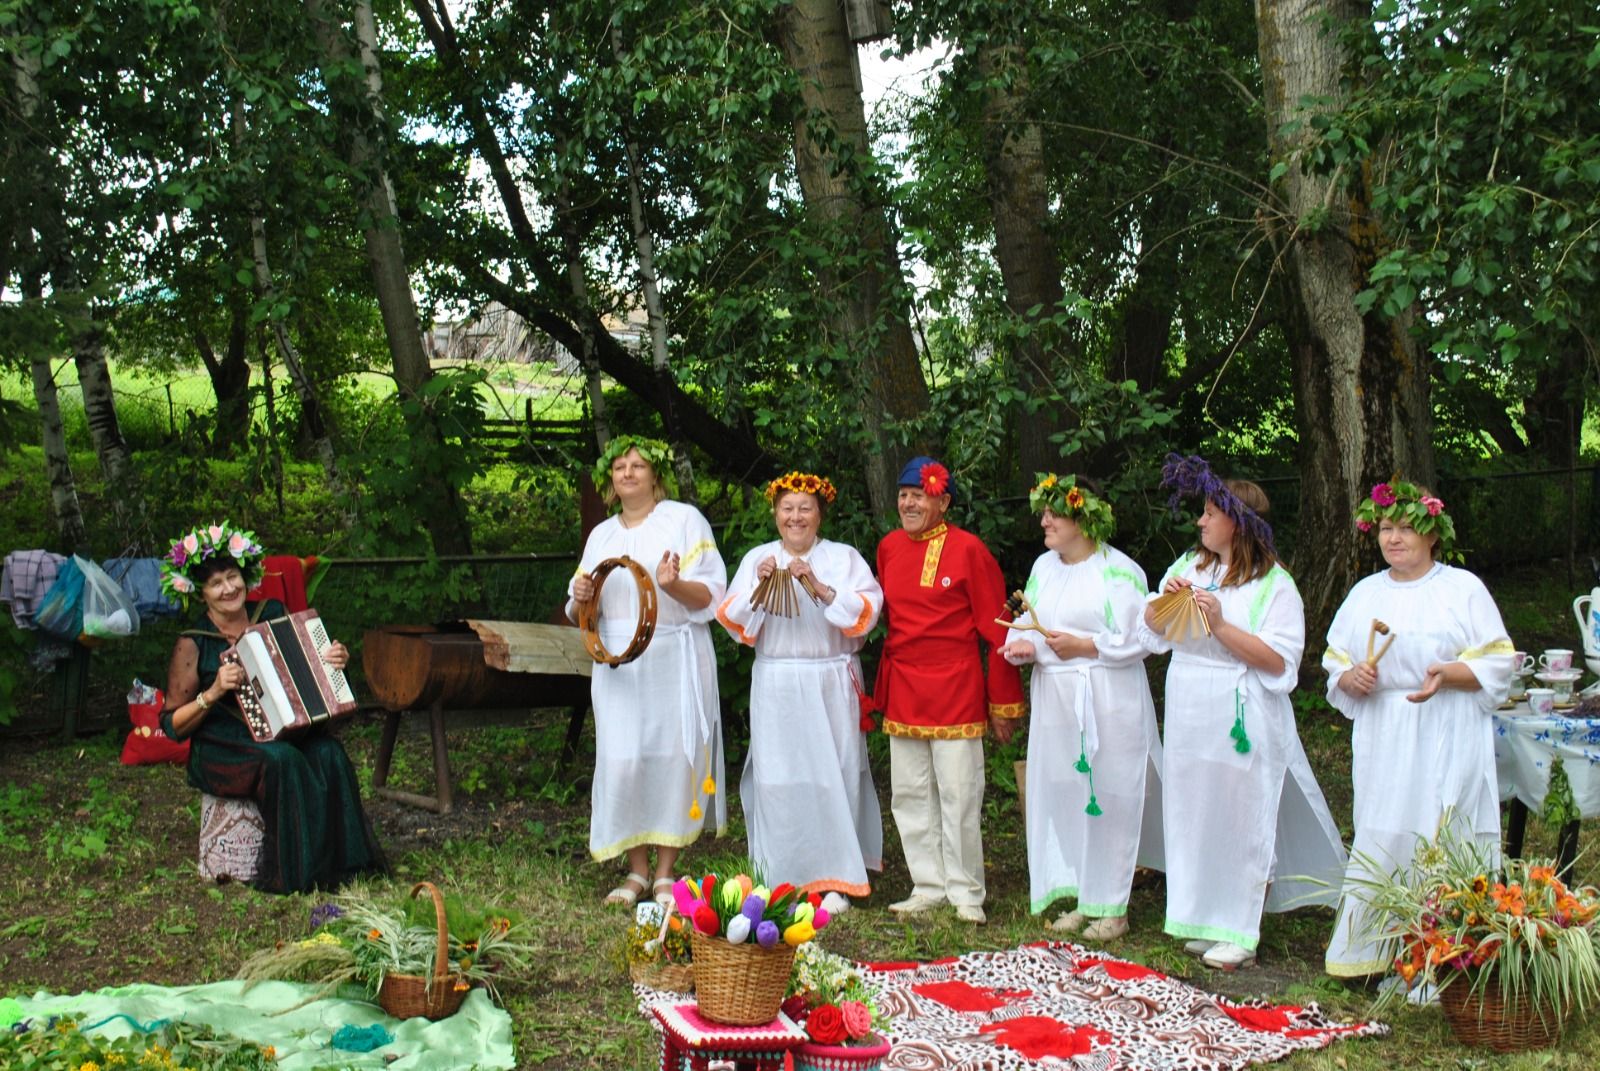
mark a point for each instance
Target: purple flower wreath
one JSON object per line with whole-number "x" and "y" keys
{"x": 1191, "y": 477}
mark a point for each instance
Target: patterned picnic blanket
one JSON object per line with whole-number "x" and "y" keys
{"x": 1061, "y": 1005}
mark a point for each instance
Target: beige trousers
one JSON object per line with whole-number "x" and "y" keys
{"x": 937, "y": 800}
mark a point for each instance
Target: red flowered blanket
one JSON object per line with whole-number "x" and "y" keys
{"x": 1061, "y": 1005}
{"x": 1064, "y": 1005}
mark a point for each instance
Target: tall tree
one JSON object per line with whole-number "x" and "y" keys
{"x": 840, "y": 181}
{"x": 1361, "y": 382}
{"x": 354, "y": 77}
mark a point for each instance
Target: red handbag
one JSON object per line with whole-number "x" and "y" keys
{"x": 146, "y": 743}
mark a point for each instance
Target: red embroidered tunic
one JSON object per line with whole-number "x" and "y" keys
{"x": 942, "y": 591}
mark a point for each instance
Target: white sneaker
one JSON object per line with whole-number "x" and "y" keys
{"x": 1107, "y": 929}
{"x": 1229, "y": 957}
{"x": 835, "y": 903}
{"x": 1198, "y": 947}
{"x": 916, "y": 904}
{"x": 1071, "y": 922}
{"x": 972, "y": 913}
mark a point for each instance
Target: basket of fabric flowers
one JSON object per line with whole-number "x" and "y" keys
{"x": 829, "y": 997}
{"x": 743, "y": 937}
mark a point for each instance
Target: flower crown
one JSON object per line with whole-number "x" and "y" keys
{"x": 1405, "y": 502}
{"x": 654, "y": 451}
{"x": 200, "y": 545}
{"x": 1062, "y": 496}
{"x": 1192, "y": 476}
{"x": 802, "y": 483}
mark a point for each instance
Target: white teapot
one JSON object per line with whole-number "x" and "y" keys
{"x": 1586, "y": 608}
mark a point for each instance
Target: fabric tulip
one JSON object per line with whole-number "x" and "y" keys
{"x": 706, "y": 921}
{"x": 685, "y": 895}
{"x": 708, "y": 888}
{"x": 754, "y": 907}
{"x": 738, "y": 930}
{"x": 745, "y": 884}
{"x": 766, "y": 933}
{"x": 814, "y": 899}
{"x": 798, "y": 934}
{"x": 731, "y": 897}
{"x": 803, "y": 912}
{"x": 820, "y": 919}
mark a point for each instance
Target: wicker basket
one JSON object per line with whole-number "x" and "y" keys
{"x": 1485, "y": 1018}
{"x": 672, "y": 977}
{"x": 739, "y": 985}
{"x": 407, "y": 995}
{"x": 815, "y": 1057}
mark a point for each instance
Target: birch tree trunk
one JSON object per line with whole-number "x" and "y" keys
{"x": 1361, "y": 386}
{"x": 362, "y": 124}
{"x": 644, "y": 244}
{"x": 874, "y": 321}
{"x": 1019, "y": 201}
{"x": 23, "y": 67}
{"x": 100, "y": 412}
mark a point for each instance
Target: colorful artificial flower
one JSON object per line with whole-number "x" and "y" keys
{"x": 825, "y": 1024}
{"x": 1062, "y": 496}
{"x": 935, "y": 478}
{"x": 1402, "y": 502}
{"x": 205, "y": 544}
{"x": 802, "y": 483}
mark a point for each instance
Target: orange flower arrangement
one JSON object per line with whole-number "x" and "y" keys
{"x": 1456, "y": 915}
{"x": 802, "y": 483}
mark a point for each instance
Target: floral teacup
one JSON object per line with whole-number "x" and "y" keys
{"x": 1541, "y": 702}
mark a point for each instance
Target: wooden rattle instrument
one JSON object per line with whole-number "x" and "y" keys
{"x": 1017, "y": 605}
{"x": 1378, "y": 628}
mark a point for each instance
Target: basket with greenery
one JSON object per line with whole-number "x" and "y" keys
{"x": 1510, "y": 949}
{"x": 657, "y": 949}
{"x": 51, "y": 1043}
{"x": 441, "y": 949}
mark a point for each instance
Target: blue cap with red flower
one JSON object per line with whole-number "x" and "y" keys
{"x": 926, "y": 473}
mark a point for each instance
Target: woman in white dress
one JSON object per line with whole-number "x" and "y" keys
{"x": 1420, "y": 701}
{"x": 1247, "y": 828}
{"x": 1094, "y": 756}
{"x": 658, "y": 729}
{"x": 810, "y": 807}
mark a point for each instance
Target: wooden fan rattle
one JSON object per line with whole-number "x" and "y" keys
{"x": 1378, "y": 628}
{"x": 1017, "y": 605}
{"x": 1179, "y": 616}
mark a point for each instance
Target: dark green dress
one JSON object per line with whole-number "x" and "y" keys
{"x": 317, "y": 834}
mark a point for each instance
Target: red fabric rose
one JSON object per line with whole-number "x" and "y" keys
{"x": 825, "y": 1024}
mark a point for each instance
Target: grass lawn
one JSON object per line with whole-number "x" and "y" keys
{"x": 97, "y": 875}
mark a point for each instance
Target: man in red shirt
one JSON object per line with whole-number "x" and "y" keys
{"x": 942, "y": 591}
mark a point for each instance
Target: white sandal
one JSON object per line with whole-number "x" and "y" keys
{"x": 661, "y": 889}
{"x": 625, "y": 894}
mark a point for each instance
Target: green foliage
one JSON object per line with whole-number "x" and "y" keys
{"x": 60, "y": 1046}
{"x": 1489, "y": 182}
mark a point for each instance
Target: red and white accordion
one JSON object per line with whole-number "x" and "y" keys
{"x": 288, "y": 687}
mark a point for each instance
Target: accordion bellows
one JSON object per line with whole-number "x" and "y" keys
{"x": 289, "y": 687}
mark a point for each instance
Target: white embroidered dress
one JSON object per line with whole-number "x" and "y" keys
{"x": 658, "y": 728}
{"x": 1239, "y": 821}
{"x": 810, "y": 808}
{"x": 1412, "y": 761}
{"x": 1097, "y": 710}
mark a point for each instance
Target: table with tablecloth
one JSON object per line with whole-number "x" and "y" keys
{"x": 1524, "y": 745}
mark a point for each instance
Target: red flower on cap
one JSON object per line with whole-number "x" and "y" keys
{"x": 935, "y": 478}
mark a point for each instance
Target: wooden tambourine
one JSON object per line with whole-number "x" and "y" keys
{"x": 589, "y": 613}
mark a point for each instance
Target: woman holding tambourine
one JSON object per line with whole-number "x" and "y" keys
{"x": 658, "y": 734}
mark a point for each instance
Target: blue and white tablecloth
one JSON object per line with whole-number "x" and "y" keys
{"x": 1524, "y": 746}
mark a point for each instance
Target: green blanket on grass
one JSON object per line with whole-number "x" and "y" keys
{"x": 477, "y": 1036}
